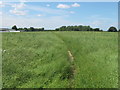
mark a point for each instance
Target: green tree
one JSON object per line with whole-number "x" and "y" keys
{"x": 88, "y": 28}
{"x": 96, "y": 29}
{"x": 101, "y": 30}
{"x": 15, "y": 27}
{"x": 42, "y": 29}
{"x": 20, "y": 29}
{"x": 112, "y": 29}
{"x": 57, "y": 29}
{"x": 77, "y": 28}
{"x": 25, "y": 29}
{"x": 63, "y": 28}
{"x": 32, "y": 29}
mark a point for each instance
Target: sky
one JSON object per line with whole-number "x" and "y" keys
{"x": 51, "y": 15}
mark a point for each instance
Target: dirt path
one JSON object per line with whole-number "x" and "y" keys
{"x": 71, "y": 61}
{"x": 72, "y": 69}
{"x": 71, "y": 58}
{"x": 72, "y": 65}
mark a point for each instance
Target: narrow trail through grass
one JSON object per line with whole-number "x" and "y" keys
{"x": 72, "y": 69}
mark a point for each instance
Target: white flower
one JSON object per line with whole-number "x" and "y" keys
{"x": 4, "y": 50}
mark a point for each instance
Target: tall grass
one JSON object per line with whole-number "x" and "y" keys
{"x": 40, "y": 59}
{"x": 34, "y": 60}
{"x": 96, "y": 58}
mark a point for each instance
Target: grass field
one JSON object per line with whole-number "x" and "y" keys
{"x": 41, "y": 60}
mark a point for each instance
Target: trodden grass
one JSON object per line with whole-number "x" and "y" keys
{"x": 96, "y": 58}
{"x": 41, "y": 60}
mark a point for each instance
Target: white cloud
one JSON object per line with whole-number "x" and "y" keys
{"x": 75, "y": 5}
{"x": 0, "y": 13}
{"x": 47, "y": 10}
{"x": 2, "y": 4}
{"x": 72, "y": 12}
{"x": 63, "y": 6}
{"x": 48, "y": 5}
{"x": 18, "y": 6}
{"x": 18, "y": 12}
{"x": 18, "y": 9}
{"x": 39, "y": 15}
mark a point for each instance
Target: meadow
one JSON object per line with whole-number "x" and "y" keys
{"x": 41, "y": 59}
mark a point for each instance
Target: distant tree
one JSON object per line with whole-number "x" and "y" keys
{"x": 88, "y": 28}
{"x": 91, "y": 29}
{"x": 96, "y": 29}
{"x": 85, "y": 28}
{"x": 42, "y": 29}
{"x": 112, "y": 29}
{"x": 15, "y": 27}
{"x": 32, "y": 29}
{"x": 25, "y": 29}
{"x": 20, "y": 29}
{"x": 80, "y": 27}
{"x": 69, "y": 28}
{"x": 101, "y": 30}
{"x": 77, "y": 28}
{"x": 63, "y": 28}
{"x": 39, "y": 29}
{"x": 57, "y": 29}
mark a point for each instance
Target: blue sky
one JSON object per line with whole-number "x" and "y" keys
{"x": 51, "y": 15}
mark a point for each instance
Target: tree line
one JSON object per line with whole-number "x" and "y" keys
{"x": 66, "y": 28}
{"x": 77, "y": 28}
{"x": 27, "y": 29}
